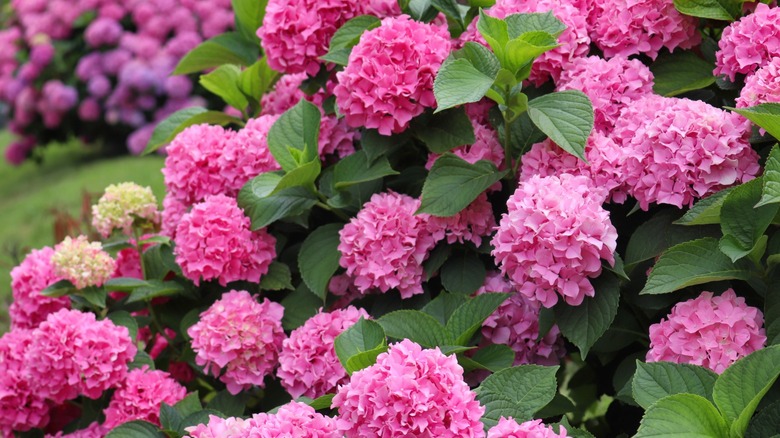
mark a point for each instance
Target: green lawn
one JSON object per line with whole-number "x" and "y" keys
{"x": 30, "y": 193}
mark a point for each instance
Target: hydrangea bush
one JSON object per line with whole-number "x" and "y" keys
{"x": 432, "y": 219}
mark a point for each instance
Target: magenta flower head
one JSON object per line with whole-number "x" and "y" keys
{"x": 409, "y": 392}
{"x": 218, "y": 427}
{"x": 33, "y": 275}
{"x": 22, "y": 407}
{"x": 508, "y": 428}
{"x": 140, "y": 396}
{"x": 389, "y": 77}
{"x": 553, "y": 238}
{"x": 294, "y": 419}
{"x": 82, "y": 262}
{"x": 240, "y": 335}
{"x": 383, "y": 247}
{"x": 215, "y": 241}
{"x": 710, "y": 331}
{"x": 295, "y": 33}
{"x": 749, "y": 43}
{"x": 761, "y": 87}
{"x": 72, "y": 353}
{"x": 308, "y": 365}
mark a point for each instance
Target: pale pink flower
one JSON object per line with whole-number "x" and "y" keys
{"x": 82, "y": 262}
{"x": 121, "y": 205}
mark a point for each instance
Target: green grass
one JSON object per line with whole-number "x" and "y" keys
{"x": 31, "y": 192}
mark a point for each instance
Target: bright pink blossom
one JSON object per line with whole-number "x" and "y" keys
{"x": 140, "y": 396}
{"x": 508, "y": 428}
{"x": 389, "y": 77}
{"x": 516, "y": 324}
{"x": 469, "y": 225}
{"x": 383, "y": 247}
{"x": 240, "y": 335}
{"x": 610, "y": 85}
{"x": 247, "y": 154}
{"x": 94, "y": 430}
{"x": 308, "y": 364}
{"x": 22, "y": 406}
{"x": 29, "y": 308}
{"x": 553, "y": 238}
{"x": 220, "y": 428}
{"x": 215, "y": 241}
{"x": 294, "y": 419}
{"x": 285, "y": 95}
{"x": 623, "y": 27}
{"x": 762, "y": 87}
{"x": 172, "y": 212}
{"x": 710, "y": 331}
{"x": 678, "y": 150}
{"x": 409, "y": 392}
{"x": 295, "y": 33}
{"x": 749, "y": 43}
{"x": 73, "y": 353}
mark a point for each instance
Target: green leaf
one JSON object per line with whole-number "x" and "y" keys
{"x": 264, "y": 209}
{"x": 521, "y": 51}
{"x": 463, "y": 273}
{"x": 177, "y": 122}
{"x": 377, "y": 145}
{"x": 495, "y": 32}
{"x": 468, "y": 318}
{"x": 156, "y": 289}
{"x": 318, "y": 258}
{"x": 436, "y": 260}
{"x": 519, "y": 24}
{"x": 566, "y": 117}
{"x": 742, "y": 385}
{"x": 358, "y": 346}
{"x": 523, "y": 134}
{"x": 228, "y": 404}
{"x": 135, "y": 429}
{"x": 656, "y": 380}
{"x": 494, "y": 357}
{"x": 772, "y": 309}
{"x": 249, "y": 16}
{"x": 227, "y": 48}
{"x": 124, "y": 284}
{"x": 59, "y": 289}
{"x": 480, "y": 57}
{"x": 766, "y": 115}
{"x": 679, "y": 72}
{"x": 300, "y": 305}
{"x": 347, "y": 36}
{"x": 726, "y": 10}
{"x": 170, "y": 419}
{"x": 691, "y": 263}
{"x": 743, "y": 224}
{"x": 124, "y": 319}
{"x": 299, "y": 128}
{"x": 443, "y": 306}
{"x": 322, "y": 402}
{"x": 453, "y": 183}
{"x": 416, "y": 326}
{"x": 141, "y": 359}
{"x": 705, "y": 211}
{"x": 771, "y": 177}
{"x": 277, "y": 278}
{"x": 223, "y": 82}
{"x": 444, "y": 131}
{"x": 766, "y": 424}
{"x": 584, "y": 324}
{"x": 256, "y": 80}
{"x": 95, "y": 296}
{"x": 459, "y": 81}
{"x": 356, "y": 169}
{"x": 683, "y": 416}
{"x": 302, "y": 176}
{"x": 517, "y": 392}
{"x": 189, "y": 404}
{"x": 196, "y": 418}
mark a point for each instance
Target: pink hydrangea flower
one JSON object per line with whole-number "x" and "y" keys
{"x": 294, "y": 419}
{"x": 605, "y": 168}
{"x": 308, "y": 364}
{"x": 389, "y": 77}
{"x": 241, "y": 335}
{"x": 220, "y": 428}
{"x": 469, "y": 225}
{"x": 247, "y": 154}
{"x": 22, "y": 406}
{"x": 628, "y": 28}
{"x": 710, "y": 331}
{"x": 82, "y": 262}
{"x": 29, "y": 308}
{"x": 295, "y": 33}
{"x": 762, "y": 87}
{"x": 121, "y": 205}
{"x": 749, "y": 43}
{"x": 610, "y": 85}
{"x": 553, "y": 238}
{"x": 383, "y": 247}
{"x": 214, "y": 241}
{"x": 516, "y": 324}
{"x": 409, "y": 392}
{"x": 140, "y": 396}
{"x": 508, "y": 428}
{"x": 678, "y": 150}
{"x": 575, "y": 42}
{"x": 285, "y": 95}
{"x": 94, "y": 430}
{"x": 383, "y": 8}
{"x": 73, "y": 353}
{"x": 172, "y": 212}
{"x": 128, "y": 264}
{"x": 336, "y": 137}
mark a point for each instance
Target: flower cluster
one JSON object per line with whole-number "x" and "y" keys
{"x": 711, "y": 331}
{"x": 763, "y": 86}
{"x": 230, "y": 250}
{"x": 409, "y": 392}
{"x": 140, "y": 396}
{"x": 82, "y": 262}
{"x": 749, "y": 43}
{"x": 389, "y": 77}
{"x": 469, "y": 225}
{"x": 121, "y": 205}
{"x": 33, "y": 275}
{"x": 553, "y": 238}
{"x": 508, "y": 428}
{"x": 308, "y": 365}
{"x": 22, "y": 407}
{"x": 241, "y": 335}
{"x": 291, "y": 420}
{"x": 383, "y": 247}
